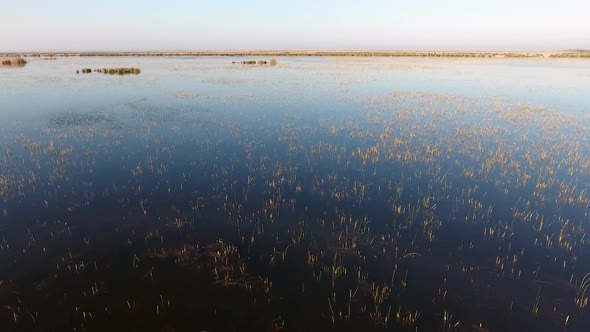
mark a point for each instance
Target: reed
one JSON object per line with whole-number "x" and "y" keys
{"x": 12, "y": 62}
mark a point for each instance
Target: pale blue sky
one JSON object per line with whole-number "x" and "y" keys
{"x": 42, "y": 25}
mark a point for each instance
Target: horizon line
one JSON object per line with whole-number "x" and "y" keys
{"x": 269, "y": 50}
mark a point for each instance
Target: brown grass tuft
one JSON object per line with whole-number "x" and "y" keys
{"x": 15, "y": 61}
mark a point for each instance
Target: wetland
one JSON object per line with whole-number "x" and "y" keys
{"x": 312, "y": 194}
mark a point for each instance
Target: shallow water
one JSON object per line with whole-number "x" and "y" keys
{"x": 320, "y": 193}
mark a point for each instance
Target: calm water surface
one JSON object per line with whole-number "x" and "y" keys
{"x": 321, "y": 193}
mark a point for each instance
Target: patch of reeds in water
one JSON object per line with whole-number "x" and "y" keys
{"x": 272, "y": 62}
{"x": 112, "y": 71}
{"x": 12, "y": 62}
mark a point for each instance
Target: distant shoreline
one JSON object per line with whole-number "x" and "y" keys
{"x": 435, "y": 54}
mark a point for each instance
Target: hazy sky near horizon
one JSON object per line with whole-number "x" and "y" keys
{"x": 70, "y": 25}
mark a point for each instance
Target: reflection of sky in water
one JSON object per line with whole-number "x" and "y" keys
{"x": 52, "y": 86}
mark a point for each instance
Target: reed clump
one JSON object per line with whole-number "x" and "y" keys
{"x": 12, "y": 61}
{"x": 260, "y": 62}
{"x": 112, "y": 71}
{"x": 120, "y": 71}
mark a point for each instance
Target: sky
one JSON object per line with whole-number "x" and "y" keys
{"x": 103, "y": 25}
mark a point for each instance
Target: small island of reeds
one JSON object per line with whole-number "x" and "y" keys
{"x": 16, "y": 61}
{"x": 272, "y": 62}
{"x": 111, "y": 71}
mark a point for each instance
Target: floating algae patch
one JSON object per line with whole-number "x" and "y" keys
{"x": 142, "y": 111}
{"x": 184, "y": 95}
{"x": 78, "y": 119}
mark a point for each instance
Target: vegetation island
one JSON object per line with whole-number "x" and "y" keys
{"x": 15, "y": 61}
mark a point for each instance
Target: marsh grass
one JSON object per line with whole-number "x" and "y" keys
{"x": 112, "y": 71}
{"x": 120, "y": 71}
{"x": 12, "y": 62}
{"x": 273, "y": 62}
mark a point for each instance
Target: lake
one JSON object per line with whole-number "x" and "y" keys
{"x": 320, "y": 193}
